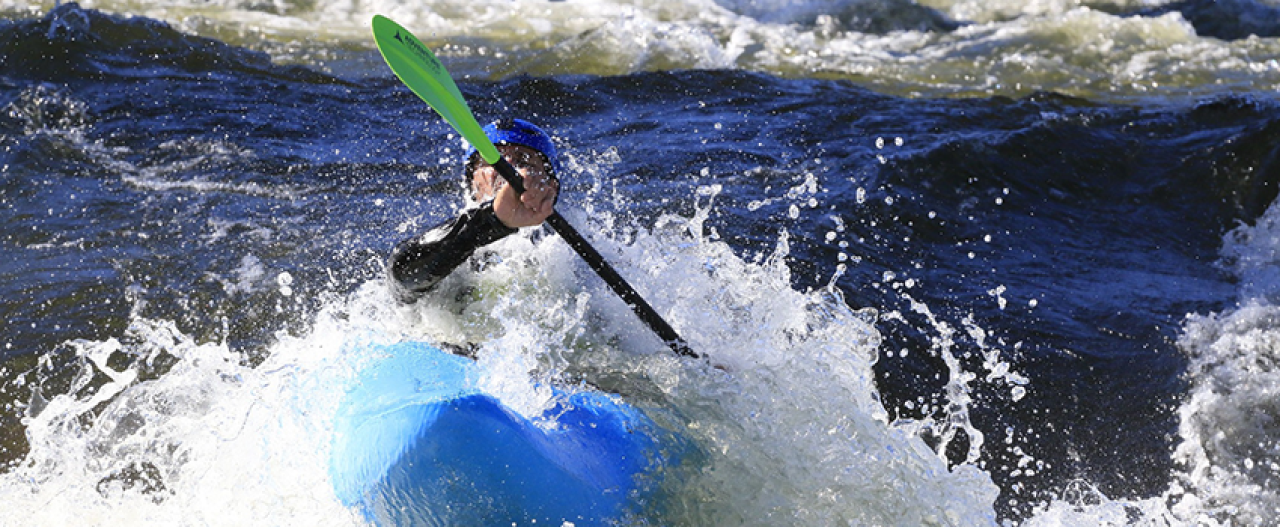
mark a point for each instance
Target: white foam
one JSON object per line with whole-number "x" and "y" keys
{"x": 1252, "y": 253}
{"x": 210, "y": 441}
{"x": 998, "y": 10}
{"x": 1002, "y": 48}
{"x": 789, "y": 431}
{"x": 792, "y": 429}
{"x": 1229, "y": 422}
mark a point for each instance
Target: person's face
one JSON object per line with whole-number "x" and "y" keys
{"x": 485, "y": 180}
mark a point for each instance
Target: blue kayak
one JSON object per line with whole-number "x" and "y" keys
{"x": 417, "y": 443}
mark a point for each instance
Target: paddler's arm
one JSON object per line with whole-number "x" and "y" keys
{"x": 419, "y": 263}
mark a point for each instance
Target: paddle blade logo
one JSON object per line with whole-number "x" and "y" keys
{"x": 425, "y": 76}
{"x": 421, "y": 52}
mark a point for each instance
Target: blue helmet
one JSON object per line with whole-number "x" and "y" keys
{"x": 518, "y": 132}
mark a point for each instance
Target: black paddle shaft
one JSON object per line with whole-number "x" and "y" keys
{"x": 602, "y": 268}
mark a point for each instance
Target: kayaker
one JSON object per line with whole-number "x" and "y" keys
{"x": 494, "y": 210}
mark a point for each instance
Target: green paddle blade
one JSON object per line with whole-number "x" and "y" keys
{"x": 421, "y": 71}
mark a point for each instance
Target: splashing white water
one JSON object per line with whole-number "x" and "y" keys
{"x": 1230, "y": 424}
{"x": 1230, "y": 421}
{"x": 209, "y": 441}
{"x": 788, "y": 429}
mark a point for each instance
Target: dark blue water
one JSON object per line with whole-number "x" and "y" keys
{"x": 146, "y": 173}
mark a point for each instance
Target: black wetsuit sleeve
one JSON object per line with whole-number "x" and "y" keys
{"x": 419, "y": 263}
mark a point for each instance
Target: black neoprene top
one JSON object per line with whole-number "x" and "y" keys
{"x": 419, "y": 263}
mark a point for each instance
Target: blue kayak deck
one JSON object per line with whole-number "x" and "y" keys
{"x": 417, "y": 443}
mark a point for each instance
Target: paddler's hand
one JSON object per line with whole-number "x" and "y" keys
{"x": 531, "y": 208}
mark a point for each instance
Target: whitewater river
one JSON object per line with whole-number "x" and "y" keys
{"x": 954, "y": 263}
